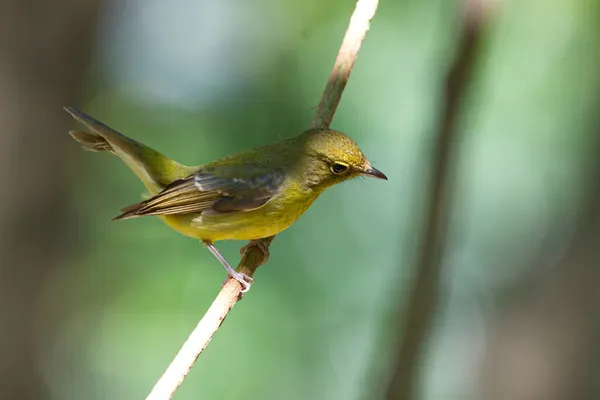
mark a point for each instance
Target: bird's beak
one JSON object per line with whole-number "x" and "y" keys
{"x": 374, "y": 172}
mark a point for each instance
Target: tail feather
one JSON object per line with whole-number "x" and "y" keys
{"x": 91, "y": 141}
{"x": 154, "y": 169}
{"x": 104, "y": 138}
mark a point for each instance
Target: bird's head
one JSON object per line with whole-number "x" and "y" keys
{"x": 333, "y": 157}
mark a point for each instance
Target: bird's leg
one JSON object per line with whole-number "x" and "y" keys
{"x": 243, "y": 279}
{"x": 263, "y": 247}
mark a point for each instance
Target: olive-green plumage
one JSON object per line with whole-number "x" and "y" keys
{"x": 247, "y": 196}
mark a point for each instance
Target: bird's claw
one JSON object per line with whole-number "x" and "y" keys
{"x": 243, "y": 279}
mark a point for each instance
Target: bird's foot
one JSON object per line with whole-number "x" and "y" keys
{"x": 262, "y": 246}
{"x": 242, "y": 278}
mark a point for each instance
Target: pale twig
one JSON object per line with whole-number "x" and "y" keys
{"x": 253, "y": 256}
{"x": 355, "y": 34}
{"x": 206, "y": 328}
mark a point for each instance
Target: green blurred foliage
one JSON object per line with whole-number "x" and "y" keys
{"x": 319, "y": 322}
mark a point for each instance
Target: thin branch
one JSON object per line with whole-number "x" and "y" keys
{"x": 355, "y": 34}
{"x": 206, "y": 328}
{"x": 423, "y": 298}
{"x": 253, "y": 256}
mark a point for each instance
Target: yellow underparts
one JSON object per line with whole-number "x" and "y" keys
{"x": 270, "y": 219}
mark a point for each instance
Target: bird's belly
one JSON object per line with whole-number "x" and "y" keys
{"x": 265, "y": 221}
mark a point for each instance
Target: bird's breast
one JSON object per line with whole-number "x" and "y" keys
{"x": 275, "y": 216}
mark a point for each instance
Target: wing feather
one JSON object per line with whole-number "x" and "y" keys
{"x": 203, "y": 191}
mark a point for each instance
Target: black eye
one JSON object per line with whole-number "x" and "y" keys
{"x": 338, "y": 168}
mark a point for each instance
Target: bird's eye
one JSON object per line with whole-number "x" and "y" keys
{"x": 338, "y": 168}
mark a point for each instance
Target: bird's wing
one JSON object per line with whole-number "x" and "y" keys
{"x": 204, "y": 191}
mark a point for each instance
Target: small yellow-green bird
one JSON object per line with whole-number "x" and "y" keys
{"x": 247, "y": 196}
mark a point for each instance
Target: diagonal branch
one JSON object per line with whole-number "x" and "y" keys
{"x": 253, "y": 256}
{"x": 209, "y": 324}
{"x": 355, "y": 34}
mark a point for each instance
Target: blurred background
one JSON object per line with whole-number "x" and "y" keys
{"x": 93, "y": 309}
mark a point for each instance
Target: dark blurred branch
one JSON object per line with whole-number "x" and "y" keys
{"x": 545, "y": 344}
{"x": 254, "y": 257}
{"x": 423, "y": 296}
{"x": 44, "y": 48}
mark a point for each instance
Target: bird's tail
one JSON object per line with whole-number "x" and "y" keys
{"x": 154, "y": 169}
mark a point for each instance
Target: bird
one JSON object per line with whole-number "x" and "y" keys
{"x": 247, "y": 196}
